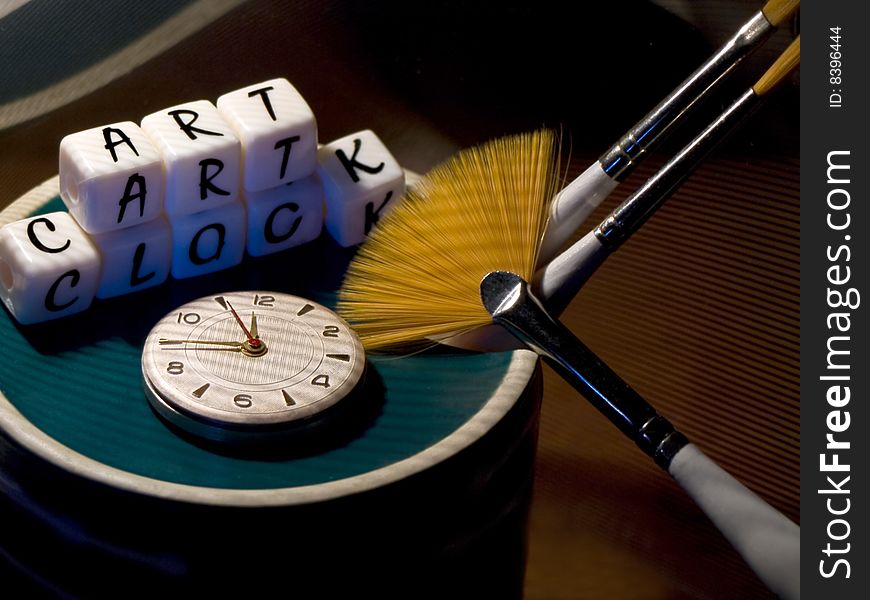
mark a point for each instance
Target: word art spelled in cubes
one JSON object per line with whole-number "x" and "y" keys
{"x": 190, "y": 191}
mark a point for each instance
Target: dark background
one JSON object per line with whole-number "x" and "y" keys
{"x": 699, "y": 311}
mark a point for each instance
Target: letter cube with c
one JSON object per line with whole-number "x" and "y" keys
{"x": 362, "y": 181}
{"x": 277, "y": 130}
{"x": 111, "y": 177}
{"x": 201, "y": 156}
{"x": 49, "y": 268}
{"x": 284, "y": 216}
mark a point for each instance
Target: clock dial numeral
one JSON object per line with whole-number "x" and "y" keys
{"x": 321, "y": 380}
{"x": 330, "y": 331}
{"x": 190, "y": 318}
{"x": 341, "y": 357}
{"x": 175, "y": 368}
{"x": 198, "y": 392}
{"x": 288, "y": 399}
{"x": 264, "y": 300}
{"x": 243, "y": 401}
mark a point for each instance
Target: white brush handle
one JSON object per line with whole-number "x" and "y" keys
{"x": 558, "y": 282}
{"x": 571, "y": 207}
{"x": 766, "y": 539}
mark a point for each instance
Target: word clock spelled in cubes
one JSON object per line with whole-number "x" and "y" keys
{"x": 188, "y": 192}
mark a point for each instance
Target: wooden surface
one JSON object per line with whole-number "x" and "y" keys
{"x": 699, "y": 311}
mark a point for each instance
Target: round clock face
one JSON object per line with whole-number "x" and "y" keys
{"x": 246, "y": 363}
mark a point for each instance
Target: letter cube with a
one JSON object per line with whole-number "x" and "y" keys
{"x": 208, "y": 241}
{"x": 362, "y": 181}
{"x": 49, "y": 268}
{"x": 134, "y": 259}
{"x": 111, "y": 177}
{"x": 201, "y": 156}
{"x": 277, "y": 130}
{"x": 284, "y": 216}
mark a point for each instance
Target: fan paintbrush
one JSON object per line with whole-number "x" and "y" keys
{"x": 457, "y": 254}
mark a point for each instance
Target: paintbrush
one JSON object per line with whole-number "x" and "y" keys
{"x": 585, "y": 193}
{"x": 479, "y": 217}
{"x": 493, "y": 200}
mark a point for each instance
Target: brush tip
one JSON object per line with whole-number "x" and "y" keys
{"x": 777, "y": 11}
{"x": 780, "y": 69}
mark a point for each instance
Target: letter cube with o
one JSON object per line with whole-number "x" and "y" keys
{"x": 362, "y": 181}
{"x": 277, "y": 130}
{"x": 49, "y": 268}
{"x": 111, "y": 177}
{"x": 134, "y": 259}
{"x": 201, "y": 156}
{"x": 208, "y": 241}
{"x": 284, "y": 216}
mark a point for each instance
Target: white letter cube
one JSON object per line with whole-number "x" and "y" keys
{"x": 284, "y": 216}
{"x": 201, "y": 156}
{"x": 362, "y": 181}
{"x": 134, "y": 259}
{"x": 49, "y": 268}
{"x": 111, "y": 177}
{"x": 208, "y": 241}
{"x": 277, "y": 130}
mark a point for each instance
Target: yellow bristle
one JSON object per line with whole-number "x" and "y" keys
{"x": 417, "y": 277}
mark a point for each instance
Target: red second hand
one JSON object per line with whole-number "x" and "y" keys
{"x": 251, "y": 339}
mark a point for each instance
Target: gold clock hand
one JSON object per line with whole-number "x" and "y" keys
{"x": 254, "y": 325}
{"x": 237, "y": 345}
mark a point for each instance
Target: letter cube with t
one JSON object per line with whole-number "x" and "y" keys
{"x": 111, "y": 177}
{"x": 284, "y": 216}
{"x": 49, "y": 268}
{"x": 201, "y": 156}
{"x": 361, "y": 180}
{"x": 208, "y": 241}
{"x": 135, "y": 258}
{"x": 277, "y": 130}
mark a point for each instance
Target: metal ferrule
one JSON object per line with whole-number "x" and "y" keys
{"x": 510, "y": 302}
{"x": 637, "y": 208}
{"x": 621, "y": 158}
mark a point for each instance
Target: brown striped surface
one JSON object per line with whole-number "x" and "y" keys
{"x": 699, "y": 311}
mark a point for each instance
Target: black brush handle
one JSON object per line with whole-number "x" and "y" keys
{"x": 511, "y": 304}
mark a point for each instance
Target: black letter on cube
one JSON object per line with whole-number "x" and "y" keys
{"x": 110, "y": 145}
{"x": 351, "y": 164}
{"x": 372, "y": 215}
{"x": 53, "y": 306}
{"x": 263, "y": 93}
{"x": 31, "y": 235}
{"x": 193, "y": 253}
{"x": 138, "y": 257}
{"x": 269, "y": 232}
{"x": 138, "y": 180}
{"x": 205, "y": 184}
{"x": 187, "y": 127}
{"x": 286, "y": 144}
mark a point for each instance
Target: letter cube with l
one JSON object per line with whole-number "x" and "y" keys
{"x": 362, "y": 181}
{"x": 277, "y": 130}
{"x": 111, "y": 177}
{"x": 284, "y": 216}
{"x": 208, "y": 241}
{"x": 135, "y": 258}
{"x": 201, "y": 156}
{"x": 49, "y": 268}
